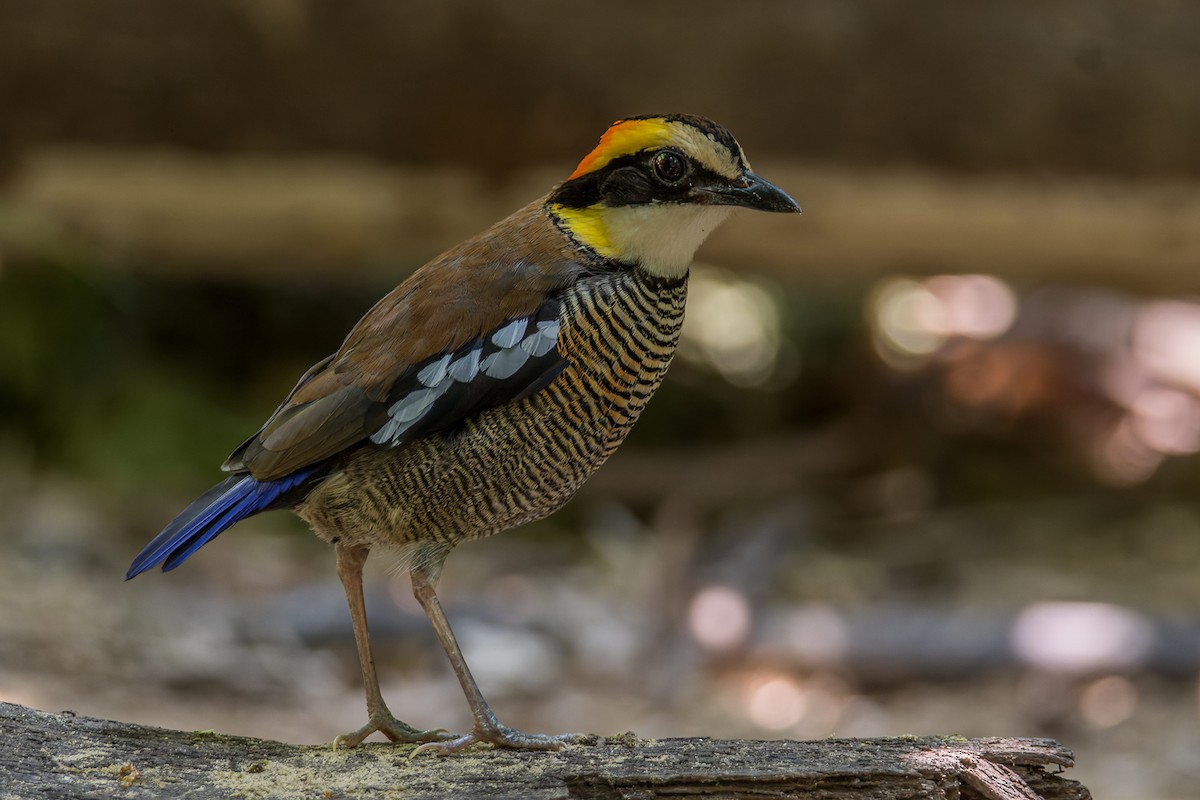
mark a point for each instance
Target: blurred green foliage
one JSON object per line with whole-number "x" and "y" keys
{"x": 135, "y": 381}
{"x": 124, "y": 379}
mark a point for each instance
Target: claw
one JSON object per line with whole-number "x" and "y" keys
{"x": 393, "y": 729}
{"x": 503, "y": 737}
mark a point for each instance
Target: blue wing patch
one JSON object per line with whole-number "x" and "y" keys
{"x": 513, "y": 361}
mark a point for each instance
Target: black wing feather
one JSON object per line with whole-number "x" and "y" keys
{"x": 517, "y": 359}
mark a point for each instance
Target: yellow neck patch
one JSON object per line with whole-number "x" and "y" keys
{"x": 660, "y": 238}
{"x": 622, "y": 139}
{"x": 586, "y": 226}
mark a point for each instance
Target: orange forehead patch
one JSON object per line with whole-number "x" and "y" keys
{"x": 624, "y": 138}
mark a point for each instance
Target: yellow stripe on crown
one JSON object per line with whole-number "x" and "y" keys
{"x": 624, "y": 137}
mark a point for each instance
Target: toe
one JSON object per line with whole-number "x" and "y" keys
{"x": 506, "y": 738}
{"x": 394, "y": 730}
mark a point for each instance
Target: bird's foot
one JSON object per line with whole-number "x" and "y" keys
{"x": 504, "y": 737}
{"x": 383, "y": 722}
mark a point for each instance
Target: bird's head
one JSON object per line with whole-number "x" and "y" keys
{"x": 655, "y": 187}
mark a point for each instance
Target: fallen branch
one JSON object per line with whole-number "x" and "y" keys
{"x": 341, "y": 221}
{"x": 68, "y": 756}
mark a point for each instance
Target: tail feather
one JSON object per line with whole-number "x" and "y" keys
{"x": 231, "y": 500}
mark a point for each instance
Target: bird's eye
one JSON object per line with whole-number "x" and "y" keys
{"x": 669, "y": 166}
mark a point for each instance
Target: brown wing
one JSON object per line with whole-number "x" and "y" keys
{"x": 472, "y": 291}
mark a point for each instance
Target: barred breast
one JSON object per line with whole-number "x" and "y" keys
{"x": 521, "y": 461}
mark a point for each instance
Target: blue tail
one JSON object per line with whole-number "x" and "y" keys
{"x": 231, "y": 500}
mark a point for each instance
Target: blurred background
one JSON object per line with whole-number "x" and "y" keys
{"x": 925, "y": 463}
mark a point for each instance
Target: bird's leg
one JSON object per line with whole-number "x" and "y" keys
{"x": 487, "y": 728}
{"x": 350, "y": 560}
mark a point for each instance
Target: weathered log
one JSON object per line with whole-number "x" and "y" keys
{"x": 264, "y": 219}
{"x": 68, "y": 756}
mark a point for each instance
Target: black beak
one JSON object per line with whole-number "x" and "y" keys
{"x": 750, "y": 191}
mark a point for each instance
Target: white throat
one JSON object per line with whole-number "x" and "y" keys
{"x": 661, "y": 237}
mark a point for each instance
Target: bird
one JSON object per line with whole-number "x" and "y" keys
{"x": 481, "y": 392}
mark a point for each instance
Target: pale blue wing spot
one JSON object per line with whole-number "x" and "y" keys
{"x": 510, "y": 334}
{"x": 402, "y": 428}
{"x": 405, "y": 412}
{"x": 385, "y": 433}
{"x": 466, "y": 367}
{"x": 504, "y": 363}
{"x": 432, "y": 374}
{"x": 414, "y": 404}
{"x": 543, "y": 340}
{"x": 515, "y": 352}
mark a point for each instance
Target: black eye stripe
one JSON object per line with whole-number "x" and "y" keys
{"x": 631, "y": 180}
